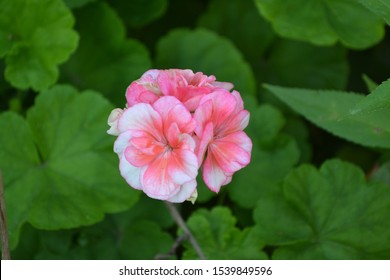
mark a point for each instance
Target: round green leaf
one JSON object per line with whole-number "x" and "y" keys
{"x": 41, "y": 39}
{"x": 330, "y": 213}
{"x": 220, "y": 239}
{"x": 204, "y": 51}
{"x": 324, "y": 22}
{"x": 58, "y": 165}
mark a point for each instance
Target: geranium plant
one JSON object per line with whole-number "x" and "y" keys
{"x": 240, "y": 129}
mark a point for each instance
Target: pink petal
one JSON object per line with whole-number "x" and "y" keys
{"x": 192, "y": 103}
{"x": 241, "y": 139}
{"x": 224, "y": 85}
{"x": 165, "y": 104}
{"x": 156, "y": 181}
{"x": 237, "y": 122}
{"x": 191, "y": 95}
{"x": 232, "y": 152}
{"x": 213, "y": 176}
{"x": 122, "y": 142}
{"x": 224, "y": 104}
{"x": 203, "y": 141}
{"x": 173, "y": 111}
{"x": 182, "y": 166}
{"x": 184, "y": 193}
{"x": 172, "y": 135}
{"x": 151, "y": 74}
{"x": 141, "y": 117}
{"x": 130, "y": 173}
{"x": 178, "y": 140}
{"x": 203, "y": 116}
{"x": 240, "y": 102}
{"x": 138, "y": 93}
{"x": 167, "y": 81}
{"x": 142, "y": 150}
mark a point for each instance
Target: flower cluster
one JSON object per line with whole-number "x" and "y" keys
{"x": 175, "y": 123}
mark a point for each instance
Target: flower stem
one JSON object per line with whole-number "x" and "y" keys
{"x": 181, "y": 223}
{"x": 5, "y": 255}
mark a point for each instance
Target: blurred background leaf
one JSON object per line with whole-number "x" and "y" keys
{"x": 42, "y": 38}
{"x": 331, "y": 110}
{"x": 59, "y": 172}
{"x": 324, "y": 22}
{"x": 219, "y": 239}
{"x": 330, "y": 213}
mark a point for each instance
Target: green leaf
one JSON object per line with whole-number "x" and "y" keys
{"x": 144, "y": 240}
{"x": 374, "y": 111}
{"x": 273, "y": 155}
{"x": 324, "y": 22}
{"x": 265, "y": 123}
{"x": 326, "y": 68}
{"x": 330, "y": 213}
{"x": 106, "y": 60}
{"x": 379, "y": 7}
{"x": 377, "y": 101}
{"x": 137, "y": 13}
{"x": 58, "y": 165}
{"x": 220, "y": 239}
{"x": 204, "y": 51}
{"x": 239, "y": 21}
{"x": 330, "y": 110}
{"x": 41, "y": 39}
{"x": 370, "y": 84}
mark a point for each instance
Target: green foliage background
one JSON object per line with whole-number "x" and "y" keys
{"x": 313, "y": 74}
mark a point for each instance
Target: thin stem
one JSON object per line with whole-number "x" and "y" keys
{"x": 6, "y": 255}
{"x": 181, "y": 223}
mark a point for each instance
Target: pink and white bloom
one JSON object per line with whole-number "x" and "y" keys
{"x": 220, "y": 139}
{"x": 156, "y": 149}
{"x": 187, "y": 86}
{"x": 176, "y": 122}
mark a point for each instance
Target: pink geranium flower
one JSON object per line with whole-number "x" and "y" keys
{"x": 175, "y": 122}
{"x": 187, "y": 86}
{"x": 220, "y": 138}
{"x": 156, "y": 149}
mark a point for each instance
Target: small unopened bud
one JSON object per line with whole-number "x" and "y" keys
{"x": 112, "y": 121}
